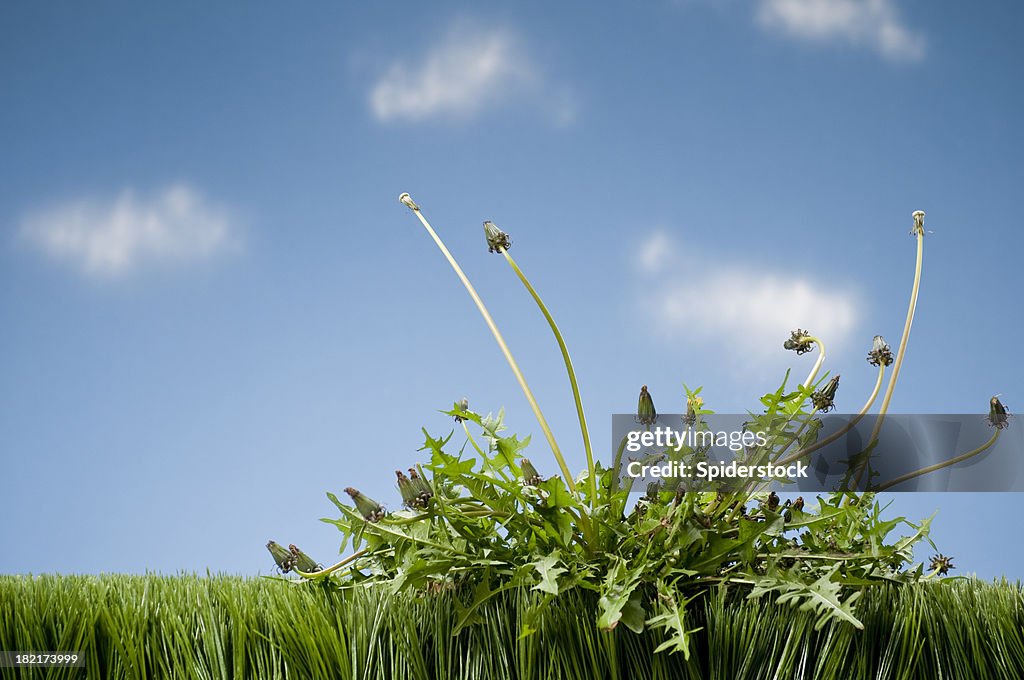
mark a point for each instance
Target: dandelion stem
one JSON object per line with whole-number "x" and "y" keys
{"x": 939, "y": 466}
{"x": 901, "y": 352}
{"x": 333, "y": 567}
{"x": 499, "y": 339}
{"x": 843, "y": 430}
{"x": 817, "y": 364}
{"x": 569, "y": 369}
{"x": 472, "y": 441}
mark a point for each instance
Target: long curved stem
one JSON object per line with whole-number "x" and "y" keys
{"x": 938, "y": 466}
{"x": 501, "y": 343}
{"x": 569, "y": 369}
{"x": 817, "y": 364}
{"x": 901, "y": 352}
{"x": 843, "y": 430}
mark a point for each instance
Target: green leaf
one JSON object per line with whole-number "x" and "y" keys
{"x": 822, "y": 596}
{"x": 434, "y": 445}
{"x": 556, "y": 494}
{"x": 549, "y": 573}
{"x": 616, "y": 593}
{"x": 508, "y": 449}
{"x": 671, "y": 619}
{"x": 633, "y": 614}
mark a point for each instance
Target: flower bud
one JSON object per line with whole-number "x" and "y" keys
{"x": 407, "y": 201}
{"x": 405, "y": 488}
{"x": 497, "y": 240}
{"x": 998, "y": 416}
{"x": 422, "y": 493}
{"x": 370, "y": 509}
{"x": 284, "y": 559}
{"x": 824, "y": 398}
{"x": 530, "y": 475}
{"x": 693, "y": 405}
{"x": 918, "y": 229}
{"x": 799, "y": 341}
{"x": 463, "y": 406}
{"x": 798, "y": 504}
{"x": 773, "y": 501}
{"x": 301, "y": 561}
{"x": 645, "y": 413}
{"x": 880, "y": 352}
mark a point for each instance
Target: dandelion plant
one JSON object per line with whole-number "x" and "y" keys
{"x": 484, "y": 521}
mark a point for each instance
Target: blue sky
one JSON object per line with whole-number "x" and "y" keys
{"x": 215, "y": 310}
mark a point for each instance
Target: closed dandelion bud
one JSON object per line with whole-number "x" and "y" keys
{"x": 798, "y": 504}
{"x": 824, "y": 399}
{"x": 282, "y": 558}
{"x": 941, "y": 563}
{"x": 405, "y": 488}
{"x": 370, "y": 509}
{"x": 998, "y": 416}
{"x": 497, "y": 240}
{"x": 918, "y": 223}
{"x": 530, "y": 475}
{"x": 462, "y": 406}
{"x": 880, "y": 352}
{"x": 645, "y": 413}
{"x": 799, "y": 341}
{"x": 407, "y": 201}
{"x": 301, "y": 561}
{"x": 422, "y": 493}
{"x": 653, "y": 491}
{"x": 773, "y": 501}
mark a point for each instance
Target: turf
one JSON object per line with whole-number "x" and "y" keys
{"x": 227, "y": 627}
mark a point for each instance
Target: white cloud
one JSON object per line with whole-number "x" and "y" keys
{"x": 471, "y": 69}
{"x": 870, "y": 23}
{"x": 655, "y": 252}
{"x": 115, "y": 236}
{"x": 746, "y": 311}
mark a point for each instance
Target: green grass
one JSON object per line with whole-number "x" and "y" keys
{"x": 227, "y": 627}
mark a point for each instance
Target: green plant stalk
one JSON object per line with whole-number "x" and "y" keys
{"x": 569, "y": 369}
{"x": 846, "y": 428}
{"x": 901, "y": 352}
{"x": 903, "y": 340}
{"x": 334, "y": 567}
{"x": 472, "y": 441}
{"x": 501, "y": 344}
{"x": 938, "y": 466}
